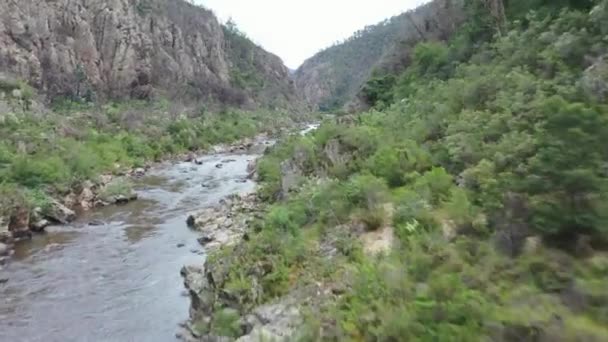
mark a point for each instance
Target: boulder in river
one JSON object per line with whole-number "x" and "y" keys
{"x": 4, "y": 250}
{"x": 60, "y": 213}
{"x": 219, "y": 166}
{"x": 190, "y": 157}
{"x": 205, "y": 240}
{"x": 139, "y": 172}
{"x": 191, "y": 221}
{"x": 124, "y": 199}
{"x": 39, "y": 225}
{"x": 96, "y": 223}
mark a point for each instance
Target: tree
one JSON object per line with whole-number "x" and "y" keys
{"x": 567, "y": 179}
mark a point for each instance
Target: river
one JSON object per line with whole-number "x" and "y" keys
{"x": 118, "y": 281}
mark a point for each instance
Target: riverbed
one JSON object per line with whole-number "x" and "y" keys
{"x": 118, "y": 280}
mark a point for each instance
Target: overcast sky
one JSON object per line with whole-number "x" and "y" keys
{"x": 297, "y": 29}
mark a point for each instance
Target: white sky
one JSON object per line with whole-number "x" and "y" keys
{"x": 296, "y": 29}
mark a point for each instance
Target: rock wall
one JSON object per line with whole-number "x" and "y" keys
{"x": 128, "y": 48}
{"x": 334, "y": 76}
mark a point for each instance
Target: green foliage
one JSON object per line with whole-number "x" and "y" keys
{"x": 566, "y": 179}
{"x": 78, "y": 141}
{"x": 474, "y": 124}
{"x": 226, "y": 323}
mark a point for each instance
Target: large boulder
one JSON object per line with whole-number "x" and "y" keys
{"x": 60, "y": 213}
{"x": 19, "y": 224}
{"x": 37, "y": 221}
{"x": 87, "y": 197}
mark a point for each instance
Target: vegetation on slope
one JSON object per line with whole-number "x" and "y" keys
{"x": 490, "y": 171}
{"x": 333, "y": 77}
{"x": 49, "y": 152}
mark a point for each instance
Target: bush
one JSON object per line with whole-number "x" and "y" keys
{"x": 435, "y": 185}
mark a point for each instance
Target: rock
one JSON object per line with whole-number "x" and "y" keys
{"x": 241, "y": 181}
{"x": 4, "y": 280}
{"x": 181, "y": 245}
{"x": 4, "y": 250}
{"x": 124, "y": 199}
{"x": 190, "y": 157}
{"x": 219, "y": 166}
{"x": 226, "y": 161}
{"x": 105, "y": 179}
{"x": 39, "y": 225}
{"x": 272, "y": 322}
{"x": 191, "y": 221}
{"x": 205, "y": 240}
{"x": 19, "y": 224}
{"x": 86, "y": 199}
{"x": 60, "y": 213}
{"x": 252, "y": 165}
{"x": 130, "y": 49}
{"x": 198, "y": 162}
{"x": 96, "y": 223}
{"x": 139, "y": 172}
{"x": 5, "y": 234}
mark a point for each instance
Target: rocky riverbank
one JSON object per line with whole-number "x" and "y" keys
{"x": 108, "y": 189}
{"x": 220, "y": 308}
{"x": 229, "y": 224}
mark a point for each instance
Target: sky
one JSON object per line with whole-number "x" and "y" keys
{"x": 296, "y": 29}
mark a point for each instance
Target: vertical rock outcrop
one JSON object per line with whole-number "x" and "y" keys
{"x": 129, "y": 48}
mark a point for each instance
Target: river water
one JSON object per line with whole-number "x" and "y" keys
{"x": 118, "y": 281}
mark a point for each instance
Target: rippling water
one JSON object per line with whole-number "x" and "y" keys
{"x": 119, "y": 281}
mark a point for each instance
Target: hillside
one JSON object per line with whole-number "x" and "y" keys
{"x": 137, "y": 49}
{"x": 334, "y": 76}
{"x": 468, "y": 205}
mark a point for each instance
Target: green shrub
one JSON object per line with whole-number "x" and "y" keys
{"x": 226, "y": 322}
{"x": 435, "y": 185}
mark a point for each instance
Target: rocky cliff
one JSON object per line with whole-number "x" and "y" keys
{"x": 334, "y": 76}
{"x": 136, "y": 49}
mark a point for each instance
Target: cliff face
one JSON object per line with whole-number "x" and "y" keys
{"x": 334, "y": 76}
{"x": 132, "y": 48}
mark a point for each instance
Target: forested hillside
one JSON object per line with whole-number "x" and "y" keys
{"x": 468, "y": 205}
{"x": 334, "y": 76}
